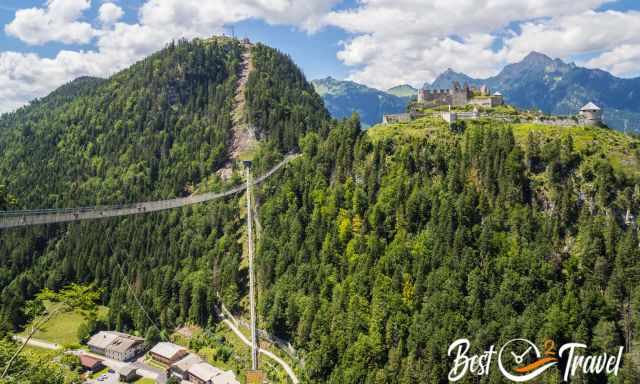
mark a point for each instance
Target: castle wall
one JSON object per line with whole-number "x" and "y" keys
{"x": 459, "y": 98}
{"x": 436, "y": 97}
{"x": 482, "y": 101}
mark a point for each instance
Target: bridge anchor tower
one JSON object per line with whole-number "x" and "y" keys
{"x": 254, "y": 376}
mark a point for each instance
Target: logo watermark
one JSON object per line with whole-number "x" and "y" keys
{"x": 520, "y": 360}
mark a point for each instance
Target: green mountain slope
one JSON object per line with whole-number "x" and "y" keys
{"x": 342, "y": 98}
{"x": 375, "y": 261}
{"x": 156, "y": 130}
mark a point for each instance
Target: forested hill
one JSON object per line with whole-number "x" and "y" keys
{"x": 377, "y": 249}
{"x": 159, "y": 129}
{"x": 382, "y": 248}
{"x": 156, "y": 129}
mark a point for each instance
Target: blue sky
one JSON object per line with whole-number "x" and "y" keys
{"x": 315, "y": 53}
{"x": 45, "y": 43}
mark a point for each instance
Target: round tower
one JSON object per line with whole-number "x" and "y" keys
{"x": 591, "y": 114}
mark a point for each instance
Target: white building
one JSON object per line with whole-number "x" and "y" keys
{"x": 180, "y": 368}
{"x": 116, "y": 345}
{"x": 203, "y": 373}
{"x": 167, "y": 353}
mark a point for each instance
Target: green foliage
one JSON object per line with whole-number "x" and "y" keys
{"x": 32, "y": 369}
{"x": 281, "y": 104}
{"x": 7, "y": 201}
{"x": 150, "y": 130}
{"x": 458, "y": 236}
{"x": 156, "y": 130}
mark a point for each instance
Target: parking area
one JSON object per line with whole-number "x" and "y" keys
{"x": 109, "y": 377}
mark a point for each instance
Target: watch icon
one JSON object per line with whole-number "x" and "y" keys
{"x": 520, "y": 360}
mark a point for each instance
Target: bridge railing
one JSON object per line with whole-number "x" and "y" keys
{"x": 10, "y": 219}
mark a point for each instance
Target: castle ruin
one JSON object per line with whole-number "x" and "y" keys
{"x": 459, "y": 96}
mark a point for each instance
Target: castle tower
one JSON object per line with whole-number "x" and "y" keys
{"x": 591, "y": 114}
{"x": 421, "y": 95}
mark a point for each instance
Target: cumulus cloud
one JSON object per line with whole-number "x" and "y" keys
{"x": 585, "y": 32}
{"x": 57, "y": 22}
{"x": 414, "y": 61}
{"x": 412, "y": 41}
{"x": 390, "y": 41}
{"x": 118, "y": 44}
{"x": 199, "y": 17}
{"x": 622, "y": 61}
{"x": 109, "y": 13}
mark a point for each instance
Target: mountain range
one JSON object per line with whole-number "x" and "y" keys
{"x": 342, "y": 98}
{"x": 536, "y": 82}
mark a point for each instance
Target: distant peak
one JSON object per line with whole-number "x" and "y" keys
{"x": 537, "y": 57}
{"x": 401, "y": 86}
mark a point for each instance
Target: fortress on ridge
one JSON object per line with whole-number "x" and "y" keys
{"x": 459, "y": 96}
{"x": 589, "y": 115}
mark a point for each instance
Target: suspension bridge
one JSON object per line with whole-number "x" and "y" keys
{"x": 11, "y": 219}
{"x": 22, "y": 218}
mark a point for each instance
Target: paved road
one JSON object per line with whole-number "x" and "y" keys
{"x": 285, "y": 366}
{"x": 37, "y": 343}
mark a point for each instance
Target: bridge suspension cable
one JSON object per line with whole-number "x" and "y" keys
{"x": 11, "y": 219}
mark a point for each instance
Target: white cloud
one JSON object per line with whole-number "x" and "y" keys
{"x": 26, "y": 76}
{"x": 622, "y": 61}
{"x": 200, "y": 16}
{"x": 57, "y": 22}
{"x": 109, "y": 13}
{"x": 412, "y": 41}
{"x": 579, "y": 33}
{"x": 441, "y": 18}
{"x": 117, "y": 44}
{"x": 415, "y": 61}
{"x": 391, "y": 41}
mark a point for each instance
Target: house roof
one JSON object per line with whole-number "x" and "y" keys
{"x": 225, "y": 378}
{"x": 122, "y": 344}
{"x": 166, "y": 350}
{"x": 102, "y": 339}
{"x": 204, "y": 371}
{"x": 590, "y": 107}
{"x": 127, "y": 370}
{"x": 112, "y": 339}
{"x": 187, "y": 362}
{"x": 88, "y": 361}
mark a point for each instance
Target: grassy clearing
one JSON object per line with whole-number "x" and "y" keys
{"x": 419, "y": 128}
{"x": 620, "y": 149}
{"x": 249, "y": 153}
{"x": 63, "y": 328}
{"x": 40, "y": 352}
{"x": 156, "y": 364}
